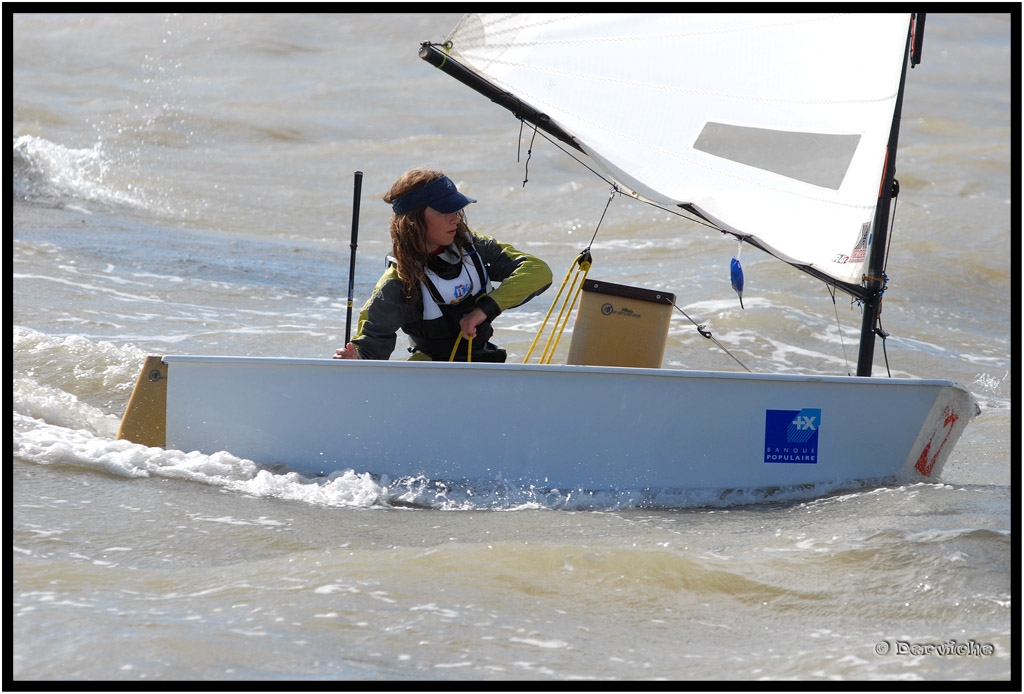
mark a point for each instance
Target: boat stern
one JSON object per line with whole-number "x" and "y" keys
{"x": 145, "y": 417}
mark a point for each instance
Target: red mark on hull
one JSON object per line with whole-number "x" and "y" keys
{"x": 924, "y": 463}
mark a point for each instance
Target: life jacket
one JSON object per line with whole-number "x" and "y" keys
{"x": 446, "y": 299}
{"x": 448, "y": 296}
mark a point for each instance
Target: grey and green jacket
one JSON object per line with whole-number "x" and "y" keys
{"x": 521, "y": 277}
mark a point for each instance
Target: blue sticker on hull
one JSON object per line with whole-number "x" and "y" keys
{"x": 791, "y": 436}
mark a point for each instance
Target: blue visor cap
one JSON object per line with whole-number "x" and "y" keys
{"x": 440, "y": 194}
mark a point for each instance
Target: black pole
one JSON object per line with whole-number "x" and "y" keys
{"x": 873, "y": 282}
{"x": 352, "y": 259}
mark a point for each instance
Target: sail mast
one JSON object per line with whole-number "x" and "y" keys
{"x": 873, "y": 280}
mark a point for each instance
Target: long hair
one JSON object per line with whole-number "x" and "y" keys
{"x": 409, "y": 230}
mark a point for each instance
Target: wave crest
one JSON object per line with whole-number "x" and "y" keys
{"x": 51, "y": 173}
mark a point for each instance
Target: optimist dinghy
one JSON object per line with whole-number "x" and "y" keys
{"x": 780, "y": 130}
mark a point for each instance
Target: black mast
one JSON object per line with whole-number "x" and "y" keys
{"x": 873, "y": 281}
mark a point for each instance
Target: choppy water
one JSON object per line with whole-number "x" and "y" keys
{"x": 182, "y": 184}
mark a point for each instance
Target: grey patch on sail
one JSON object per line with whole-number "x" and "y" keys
{"x": 815, "y": 158}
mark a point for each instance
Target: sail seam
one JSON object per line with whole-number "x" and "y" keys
{"x": 518, "y": 29}
{"x": 669, "y": 89}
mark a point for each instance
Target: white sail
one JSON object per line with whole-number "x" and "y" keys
{"x": 773, "y": 126}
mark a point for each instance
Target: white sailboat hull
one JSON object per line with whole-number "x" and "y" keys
{"x": 566, "y": 427}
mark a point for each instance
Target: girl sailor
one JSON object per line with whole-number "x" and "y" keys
{"x": 437, "y": 285}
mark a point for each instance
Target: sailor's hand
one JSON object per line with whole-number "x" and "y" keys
{"x": 349, "y": 351}
{"x": 469, "y": 322}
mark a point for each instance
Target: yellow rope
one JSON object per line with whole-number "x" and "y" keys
{"x": 565, "y": 314}
{"x": 581, "y": 265}
{"x": 544, "y": 324}
{"x": 469, "y": 348}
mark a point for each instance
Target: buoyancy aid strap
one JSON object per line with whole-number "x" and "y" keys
{"x": 481, "y": 269}
{"x": 582, "y": 267}
{"x": 434, "y": 294}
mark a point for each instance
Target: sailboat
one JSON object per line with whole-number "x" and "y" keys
{"x": 779, "y": 129}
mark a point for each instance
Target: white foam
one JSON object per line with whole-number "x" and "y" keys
{"x": 43, "y": 443}
{"x": 60, "y": 408}
{"x": 45, "y": 170}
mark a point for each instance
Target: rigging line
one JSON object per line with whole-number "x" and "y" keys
{"x": 892, "y": 225}
{"x": 885, "y": 352}
{"x": 703, "y": 330}
{"x": 529, "y": 154}
{"x": 832, "y": 291}
{"x": 578, "y": 160}
{"x": 447, "y": 46}
{"x": 607, "y": 204}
